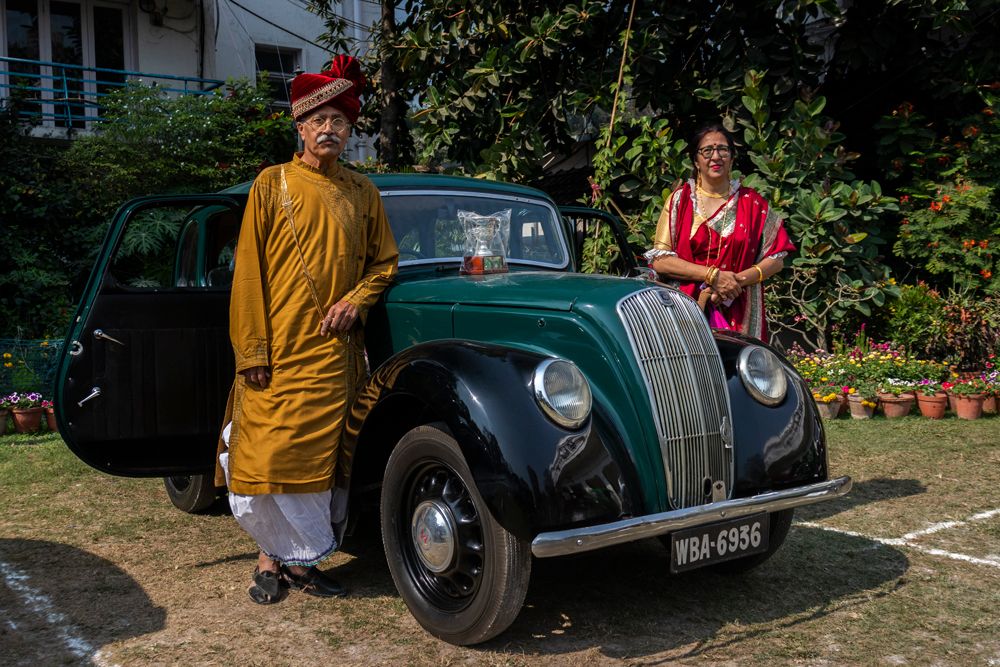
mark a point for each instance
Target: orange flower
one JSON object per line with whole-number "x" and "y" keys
{"x": 984, "y": 244}
{"x": 986, "y": 273}
{"x": 935, "y": 206}
{"x": 945, "y": 199}
{"x": 970, "y": 131}
{"x": 987, "y": 111}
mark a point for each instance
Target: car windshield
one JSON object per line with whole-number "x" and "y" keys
{"x": 428, "y": 230}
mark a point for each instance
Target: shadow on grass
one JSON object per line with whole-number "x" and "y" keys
{"x": 624, "y": 602}
{"x": 60, "y": 604}
{"x": 862, "y": 493}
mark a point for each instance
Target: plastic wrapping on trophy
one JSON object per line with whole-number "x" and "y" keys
{"x": 485, "y": 241}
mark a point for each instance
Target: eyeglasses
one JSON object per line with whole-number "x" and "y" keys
{"x": 338, "y": 123}
{"x": 706, "y": 151}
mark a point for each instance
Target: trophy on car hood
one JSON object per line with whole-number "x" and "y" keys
{"x": 485, "y": 241}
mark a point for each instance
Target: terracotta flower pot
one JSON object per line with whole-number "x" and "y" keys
{"x": 27, "y": 420}
{"x": 968, "y": 406}
{"x": 828, "y": 410}
{"x": 858, "y": 410}
{"x": 50, "y": 419}
{"x": 932, "y": 407}
{"x": 989, "y": 405}
{"x": 896, "y": 406}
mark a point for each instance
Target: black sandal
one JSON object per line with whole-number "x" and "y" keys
{"x": 314, "y": 582}
{"x": 267, "y": 587}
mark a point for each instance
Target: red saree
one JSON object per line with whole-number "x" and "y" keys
{"x": 741, "y": 233}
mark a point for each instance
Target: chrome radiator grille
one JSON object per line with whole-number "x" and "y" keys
{"x": 687, "y": 393}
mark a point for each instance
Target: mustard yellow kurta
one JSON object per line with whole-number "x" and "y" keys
{"x": 285, "y": 437}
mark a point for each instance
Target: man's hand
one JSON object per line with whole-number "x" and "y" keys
{"x": 258, "y": 375}
{"x": 341, "y": 317}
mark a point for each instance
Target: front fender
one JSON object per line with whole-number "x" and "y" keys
{"x": 533, "y": 474}
{"x": 775, "y": 447}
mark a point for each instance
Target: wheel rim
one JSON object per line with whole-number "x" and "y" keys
{"x": 445, "y": 563}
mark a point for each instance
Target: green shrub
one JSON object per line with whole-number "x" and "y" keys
{"x": 917, "y": 320}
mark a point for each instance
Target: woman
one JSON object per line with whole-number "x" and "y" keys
{"x": 719, "y": 240}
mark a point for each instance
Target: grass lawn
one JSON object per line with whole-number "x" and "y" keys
{"x": 878, "y": 577}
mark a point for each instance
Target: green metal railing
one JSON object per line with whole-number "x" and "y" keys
{"x": 67, "y": 95}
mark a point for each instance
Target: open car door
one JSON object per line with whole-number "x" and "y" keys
{"x": 590, "y": 225}
{"x": 147, "y": 365}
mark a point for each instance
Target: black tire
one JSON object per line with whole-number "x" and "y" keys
{"x": 471, "y": 589}
{"x": 780, "y": 523}
{"x": 191, "y": 493}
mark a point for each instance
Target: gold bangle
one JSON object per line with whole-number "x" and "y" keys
{"x": 713, "y": 275}
{"x": 760, "y": 272}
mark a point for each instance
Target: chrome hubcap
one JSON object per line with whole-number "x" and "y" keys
{"x": 433, "y": 532}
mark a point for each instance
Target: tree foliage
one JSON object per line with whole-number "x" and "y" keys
{"x": 59, "y": 199}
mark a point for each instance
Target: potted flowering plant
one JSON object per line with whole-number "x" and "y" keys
{"x": 896, "y": 398}
{"x": 863, "y": 401}
{"x": 827, "y": 401}
{"x": 992, "y": 391}
{"x": 967, "y": 398}
{"x": 931, "y": 399}
{"x": 50, "y": 416}
{"x": 5, "y": 406}
{"x": 26, "y": 410}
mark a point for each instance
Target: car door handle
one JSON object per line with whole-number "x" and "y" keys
{"x": 100, "y": 335}
{"x": 94, "y": 393}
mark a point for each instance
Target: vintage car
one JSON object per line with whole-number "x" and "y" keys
{"x": 509, "y": 416}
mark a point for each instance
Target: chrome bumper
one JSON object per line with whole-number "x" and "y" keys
{"x": 577, "y": 540}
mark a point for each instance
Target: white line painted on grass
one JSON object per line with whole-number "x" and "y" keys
{"x": 907, "y": 540}
{"x": 40, "y": 604}
{"x": 930, "y": 530}
{"x": 945, "y": 525}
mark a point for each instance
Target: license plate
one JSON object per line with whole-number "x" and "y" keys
{"x": 718, "y": 542}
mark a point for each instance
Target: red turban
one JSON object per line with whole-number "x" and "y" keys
{"x": 340, "y": 86}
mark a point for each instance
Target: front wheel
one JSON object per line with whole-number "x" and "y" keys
{"x": 191, "y": 493}
{"x": 462, "y": 575}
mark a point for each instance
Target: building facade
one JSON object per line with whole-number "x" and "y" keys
{"x": 76, "y": 50}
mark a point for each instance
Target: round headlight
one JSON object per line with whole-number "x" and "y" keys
{"x": 762, "y": 375}
{"x": 563, "y": 392}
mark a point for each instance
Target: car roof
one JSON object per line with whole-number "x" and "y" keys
{"x": 431, "y": 181}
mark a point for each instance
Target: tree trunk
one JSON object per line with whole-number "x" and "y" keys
{"x": 393, "y": 133}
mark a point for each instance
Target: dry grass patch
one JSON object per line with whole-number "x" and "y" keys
{"x": 148, "y": 585}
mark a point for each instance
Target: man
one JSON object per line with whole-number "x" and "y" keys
{"x": 314, "y": 253}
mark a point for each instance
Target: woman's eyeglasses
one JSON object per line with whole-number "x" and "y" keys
{"x": 336, "y": 122}
{"x": 706, "y": 151}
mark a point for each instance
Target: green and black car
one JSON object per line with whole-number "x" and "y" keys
{"x": 528, "y": 414}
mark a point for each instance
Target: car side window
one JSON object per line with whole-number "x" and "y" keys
{"x": 178, "y": 246}
{"x": 145, "y": 256}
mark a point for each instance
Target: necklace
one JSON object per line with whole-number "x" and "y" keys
{"x": 710, "y": 195}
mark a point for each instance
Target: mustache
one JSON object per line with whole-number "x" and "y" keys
{"x": 328, "y": 137}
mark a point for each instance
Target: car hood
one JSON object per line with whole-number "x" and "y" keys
{"x": 546, "y": 290}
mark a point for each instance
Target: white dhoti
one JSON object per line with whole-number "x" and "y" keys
{"x": 293, "y": 528}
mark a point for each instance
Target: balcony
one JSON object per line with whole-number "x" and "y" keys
{"x": 58, "y": 99}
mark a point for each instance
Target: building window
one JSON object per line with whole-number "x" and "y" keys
{"x": 279, "y": 64}
{"x": 75, "y": 37}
